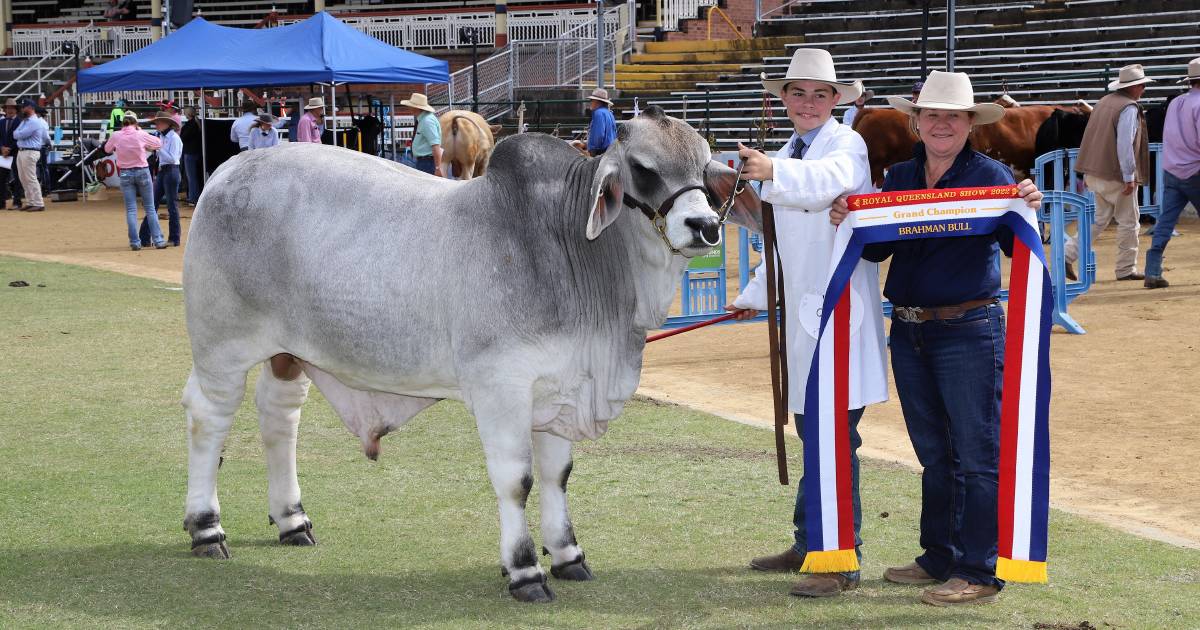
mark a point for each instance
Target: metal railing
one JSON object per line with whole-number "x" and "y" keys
{"x": 445, "y": 30}
{"x": 104, "y": 40}
{"x": 768, "y": 9}
{"x": 671, "y": 12}
{"x": 565, "y": 61}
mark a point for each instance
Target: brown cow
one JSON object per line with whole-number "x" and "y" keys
{"x": 1010, "y": 140}
{"x": 467, "y": 142}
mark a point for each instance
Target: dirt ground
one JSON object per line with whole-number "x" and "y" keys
{"x": 1125, "y": 424}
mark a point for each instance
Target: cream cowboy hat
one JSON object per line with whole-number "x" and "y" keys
{"x": 1130, "y": 75}
{"x": 1193, "y": 71}
{"x": 949, "y": 91}
{"x": 315, "y": 102}
{"x": 417, "y": 101}
{"x": 600, "y": 94}
{"x": 813, "y": 64}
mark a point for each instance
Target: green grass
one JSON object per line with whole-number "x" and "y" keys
{"x": 669, "y": 507}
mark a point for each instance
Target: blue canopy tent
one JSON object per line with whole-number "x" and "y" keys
{"x": 321, "y": 49}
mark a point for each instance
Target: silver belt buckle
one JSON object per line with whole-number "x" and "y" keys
{"x": 909, "y": 314}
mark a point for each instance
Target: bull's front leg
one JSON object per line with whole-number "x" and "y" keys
{"x": 505, "y": 423}
{"x": 558, "y": 537}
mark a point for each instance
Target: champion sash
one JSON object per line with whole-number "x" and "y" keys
{"x": 1025, "y": 400}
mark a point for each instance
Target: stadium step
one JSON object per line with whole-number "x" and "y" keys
{"x": 758, "y": 43}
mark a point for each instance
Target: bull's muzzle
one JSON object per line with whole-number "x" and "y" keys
{"x": 705, "y": 230}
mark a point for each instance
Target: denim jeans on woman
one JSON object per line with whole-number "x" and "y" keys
{"x": 1176, "y": 195}
{"x": 195, "y": 178}
{"x": 948, "y": 375}
{"x": 798, "y": 519}
{"x": 166, "y": 188}
{"x": 136, "y": 182}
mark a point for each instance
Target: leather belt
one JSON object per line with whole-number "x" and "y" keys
{"x": 918, "y": 314}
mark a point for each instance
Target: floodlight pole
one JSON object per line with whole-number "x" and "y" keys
{"x": 471, "y": 34}
{"x": 949, "y": 35}
{"x": 74, "y": 49}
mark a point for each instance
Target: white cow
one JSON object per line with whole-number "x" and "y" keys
{"x": 525, "y": 293}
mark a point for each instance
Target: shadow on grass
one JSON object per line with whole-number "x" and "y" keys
{"x": 161, "y": 584}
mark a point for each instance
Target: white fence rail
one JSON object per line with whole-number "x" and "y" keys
{"x": 565, "y": 61}
{"x": 670, "y": 12}
{"x": 443, "y": 31}
{"x": 103, "y": 40}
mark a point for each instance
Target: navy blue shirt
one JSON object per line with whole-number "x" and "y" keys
{"x": 944, "y": 271}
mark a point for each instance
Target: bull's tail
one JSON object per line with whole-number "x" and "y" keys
{"x": 454, "y": 125}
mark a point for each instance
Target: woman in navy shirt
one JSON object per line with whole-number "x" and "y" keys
{"x": 947, "y": 342}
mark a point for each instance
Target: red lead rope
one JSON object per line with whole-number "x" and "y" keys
{"x": 710, "y": 322}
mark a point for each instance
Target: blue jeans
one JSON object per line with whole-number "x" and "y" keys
{"x": 798, "y": 519}
{"x": 166, "y": 188}
{"x": 193, "y": 168}
{"x": 136, "y": 182}
{"x": 948, "y": 375}
{"x": 1176, "y": 194}
{"x": 425, "y": 164}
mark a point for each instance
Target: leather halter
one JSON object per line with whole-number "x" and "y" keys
{"x": 658, "y": 216}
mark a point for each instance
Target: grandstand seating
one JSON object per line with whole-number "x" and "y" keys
{"x": 1038, "y": 51}
{"x": 247, "y": 12}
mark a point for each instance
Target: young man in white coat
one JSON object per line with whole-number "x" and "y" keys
{"x": 822, "y": 161}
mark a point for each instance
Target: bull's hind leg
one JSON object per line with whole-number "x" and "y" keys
{"x": 211, "y": 402}
{"x": 281, "y": 391}
{"x": 553, "y": 455}
{"x": 505, "y": 429}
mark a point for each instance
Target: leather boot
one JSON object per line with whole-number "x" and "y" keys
{"x": 785, "y": 562}
{"x": 823, "y": 585}
{"x": 911, "y": 573}
{"x": 957, "y": 591}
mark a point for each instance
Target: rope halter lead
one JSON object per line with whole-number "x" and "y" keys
{"x": 658, "y": 216}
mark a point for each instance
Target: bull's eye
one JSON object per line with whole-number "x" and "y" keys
{"x": 642, "y": 169}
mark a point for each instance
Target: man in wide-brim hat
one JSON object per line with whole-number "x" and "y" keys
{"x": 310, "y": 126}
{"x": 602, "y": 130}
{"x": 427, "y": 137}
{"x": 8, "y": 148}
{"x": 822, "y": 161}
{"x": 1114, "y": 158}
{"x": 1181, "y": 170}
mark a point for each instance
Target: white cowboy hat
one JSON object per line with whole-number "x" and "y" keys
{"x": 1133, "y": 74}
{"x": 1193, "y": 71}
{"x": 600, "y": 94}
{"x": 813, "y": 64}
{"x": 949, "y": 91}
{"x": 315, "y": 102}
{"x": 417, "y": 101}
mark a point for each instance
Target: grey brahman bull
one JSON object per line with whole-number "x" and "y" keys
{"x": 525, "y": 293}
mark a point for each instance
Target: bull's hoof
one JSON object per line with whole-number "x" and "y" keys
{"x": 576, "y": 570}
{"x": 533, "y": 590}
{"x": 215, "y": 550}
{"x": 300, "y": 537}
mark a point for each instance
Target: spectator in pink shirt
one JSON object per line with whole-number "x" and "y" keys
{"x": 310, "y": 126}
{"x": 130, "y": 145}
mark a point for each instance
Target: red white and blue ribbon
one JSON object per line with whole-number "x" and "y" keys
{"x": 1023, "y": 507}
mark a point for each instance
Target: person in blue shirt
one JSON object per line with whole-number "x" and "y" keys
{"x": 31, "y": 135}
{"x": 948, "y": 354}
{"x": 603, "y": 130}
{"x": 166, "y": 183}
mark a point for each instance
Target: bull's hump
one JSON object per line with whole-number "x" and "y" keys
{"x": 528, "y": 154}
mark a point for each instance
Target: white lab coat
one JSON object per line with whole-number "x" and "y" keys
{"x": 802, "y": 193}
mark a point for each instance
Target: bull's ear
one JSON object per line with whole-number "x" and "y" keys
{"x": 605, "y": 195}
{"x": 495, "y": 129}
{"x": 747, "y": 207}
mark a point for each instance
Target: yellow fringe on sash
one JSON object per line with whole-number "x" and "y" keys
{"x": 1030, "y": 571}
{"x": 837, "y": 561}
